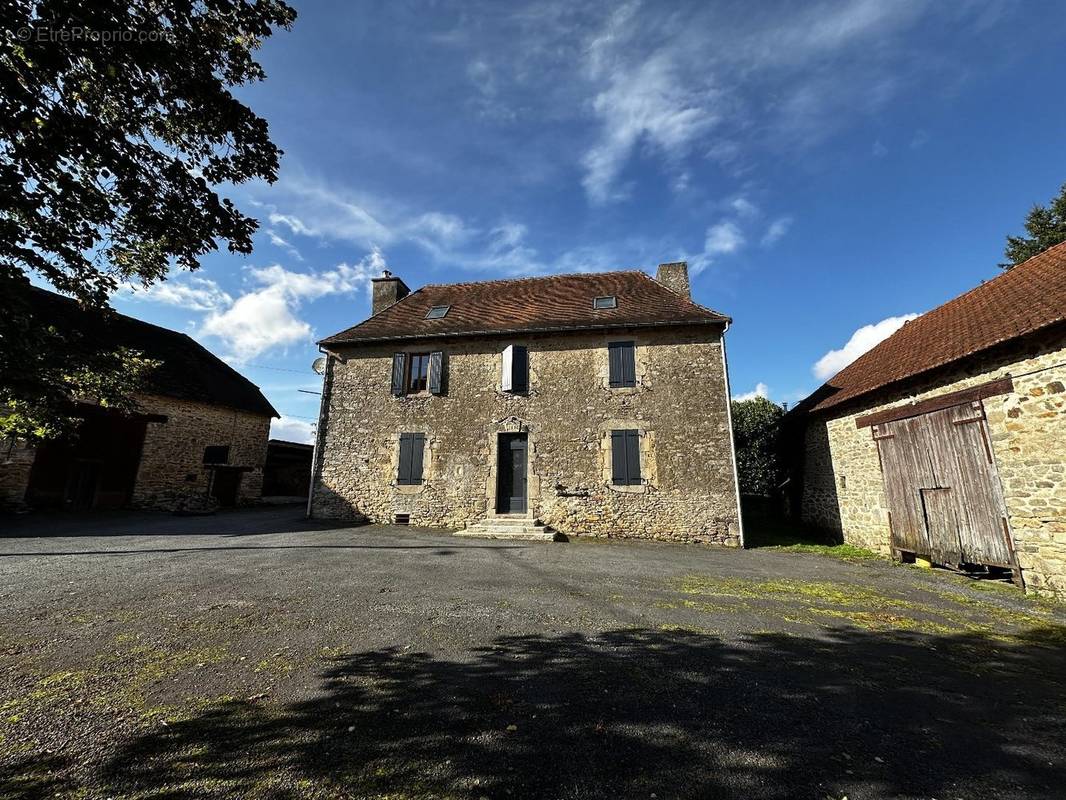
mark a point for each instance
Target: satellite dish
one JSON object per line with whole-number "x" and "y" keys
{"x": 319, "y": 365}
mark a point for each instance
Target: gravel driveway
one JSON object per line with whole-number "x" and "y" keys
{"x": 253, "y": 654}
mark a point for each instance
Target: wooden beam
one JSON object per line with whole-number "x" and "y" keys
{"x": 980, "y": 392}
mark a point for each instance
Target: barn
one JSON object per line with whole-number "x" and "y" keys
{"x": 947, "y": 441}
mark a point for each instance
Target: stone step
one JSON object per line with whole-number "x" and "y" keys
{"x": 535, "y": 535}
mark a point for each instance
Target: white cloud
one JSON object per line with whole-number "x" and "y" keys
{"x": 265, "y": 317}
{"x": 778, "y": 228}
{"x": 289, "y": 429}
{"x": 865, "y": 338}
{"x": 725, "y": 237}
{"x": 760, "y": 390}
{"x": 192, "y": 293}
{"x": 744, "y": 207}
{"x": 278, "y": 241}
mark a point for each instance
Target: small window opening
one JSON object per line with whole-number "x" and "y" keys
{"x": 403, "y": 519}
{"x": 609, "y": 301}
{"x": 216, "y": 454}
{"x": 437, "y": 312}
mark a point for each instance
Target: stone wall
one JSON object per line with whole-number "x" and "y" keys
{"x": 172, "y": 459}
{"x": 842, "y": 486}
{"x": 171, "y": 466}
{"x": 679, "y": 406}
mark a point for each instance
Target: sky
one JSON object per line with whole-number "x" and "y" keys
{"x": 828, "y": 170}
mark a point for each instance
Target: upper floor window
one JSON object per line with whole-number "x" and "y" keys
{"x": 437, "y": 312}
{"x": 621, "y": 359}
{"x": 414, "y": 373}
{"x": 515, "y": 369}
{"x": 608, "y": 301}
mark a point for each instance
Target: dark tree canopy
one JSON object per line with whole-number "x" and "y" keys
{"x": 1046, "y": 226}
{"x": 117, "y": 125}
{"x": 756, "y": 426}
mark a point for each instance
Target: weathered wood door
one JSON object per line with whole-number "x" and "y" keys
{"x": 511, "y": 474}
{"x": 942, "y": 487}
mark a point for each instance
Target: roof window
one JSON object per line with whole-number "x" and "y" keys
{"x": 609, "y": 301}
{"x": 437, "y": 312}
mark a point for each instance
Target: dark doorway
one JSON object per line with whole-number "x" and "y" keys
{"x": 511, "y": 474}
{"x": 93, "y": 468}
{"x": 224, "y": 485}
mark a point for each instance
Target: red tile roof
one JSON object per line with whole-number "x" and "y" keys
{"x": 551, "y": 303}
{"x": 1022, "y": 300}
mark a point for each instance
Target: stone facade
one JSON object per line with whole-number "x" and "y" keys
{"x": 171, "y": 465}
{"x": 679, "y": 406}
{"x": 842, "y": 485}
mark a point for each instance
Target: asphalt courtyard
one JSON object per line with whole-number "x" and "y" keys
{"x": 253, "y": 654}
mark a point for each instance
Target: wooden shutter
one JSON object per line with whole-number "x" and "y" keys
{"x": 507, "y": 378}
{"x": 436, "y": 372}
{"x": 625, "y": 458}
{"x": 399, "y": 370}
{"x": 633, "y": 457}
{"x": 622, "y": 363}
{"x": 412, "y": 446}
{"x": 520, "y": 369}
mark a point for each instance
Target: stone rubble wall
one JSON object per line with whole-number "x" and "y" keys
{"x": 842, "y": 486}
{"x": 679, "y": 406}
{"x": 172, "y": 465}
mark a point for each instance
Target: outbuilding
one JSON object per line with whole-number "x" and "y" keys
{"x": 947, "y": 441}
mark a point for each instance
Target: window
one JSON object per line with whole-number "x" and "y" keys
{"x": 414, "y": 373}
{"x": 437, "y": 312}
{"x": 515, "y": 369}
{"x": 216, "y": 454}
{"x": 609, "y": 301}
{"x": 417, "y": 372}
{"x": 411, "y": 448}
{"x": 622, "y": 362}
{"x": 625, "y": 458}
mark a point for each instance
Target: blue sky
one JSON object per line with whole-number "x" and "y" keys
{"x": 826, "y": 168}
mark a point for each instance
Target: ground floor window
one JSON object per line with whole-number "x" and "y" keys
{"x": 625, "y": 458}
{"x": 412, "y": 446}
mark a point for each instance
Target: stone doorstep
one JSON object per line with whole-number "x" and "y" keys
{"x": 509, "y": 526}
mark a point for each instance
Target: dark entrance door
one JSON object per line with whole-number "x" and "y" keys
{"x": 224, "y": 486}
{"x": 511, "y": 473}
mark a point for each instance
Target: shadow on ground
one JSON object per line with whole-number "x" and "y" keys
{"x": 628, "y": 713}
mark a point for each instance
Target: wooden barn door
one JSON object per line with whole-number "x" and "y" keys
{"x": 942, "y": 487}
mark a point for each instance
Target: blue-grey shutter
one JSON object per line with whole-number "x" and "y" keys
{"x": 614, "y": 354}
{"x": 633, "y": 457}
{"x": 418, "y": 443}
{"x": 629, "y": 365}
{"x": 519, "y": 369}
{"x": 399, "y": 370}
{"x": 404, "y": 476}
{"x": 618, "y": 458}
{"x": 436, "y": 371}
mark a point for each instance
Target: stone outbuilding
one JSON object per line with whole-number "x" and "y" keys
{"x": 947, "y": 441}
{"x": 200, "y": 430}
{"x": 594, "y": 404}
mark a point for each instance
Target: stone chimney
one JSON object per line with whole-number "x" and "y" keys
{"x": 672, "y": 276}
{"x": 388, "y": 289}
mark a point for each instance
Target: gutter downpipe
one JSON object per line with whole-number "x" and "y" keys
{"x": 320, "y": 427}
{"x": 732, "y": 439}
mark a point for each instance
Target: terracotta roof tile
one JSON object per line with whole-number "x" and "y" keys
{"x": 1027, "y": 298}
{"x": 554, "y": 302}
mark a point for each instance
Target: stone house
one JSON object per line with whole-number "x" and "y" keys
{"x": 201, "y": 428}
{"x": 947, "y": 440}
{"x": 592, "y": 404}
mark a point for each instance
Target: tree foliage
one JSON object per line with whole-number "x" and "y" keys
{"x": 1046, "y": 226}
{"x": 117, "y": 125}
{"x": 756, "y": 427}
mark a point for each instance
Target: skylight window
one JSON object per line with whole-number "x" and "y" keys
{"x": 437, "y": 312}
{"x": 610, "y": 301}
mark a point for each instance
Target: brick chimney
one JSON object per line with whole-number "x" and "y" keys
{"x": 388, "y": 289}
{"x": 674, "y": 276}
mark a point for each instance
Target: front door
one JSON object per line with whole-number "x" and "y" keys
{"x": 511, "y": 474}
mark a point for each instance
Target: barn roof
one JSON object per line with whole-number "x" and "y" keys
{"x": 550, "y": 303}
{"x": 1021, "y": 301}
{"x": 189, "y": 370}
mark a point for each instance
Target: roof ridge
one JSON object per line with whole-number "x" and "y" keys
{"x": 537, "y": 278}
{"x": 1005, "y": 273}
